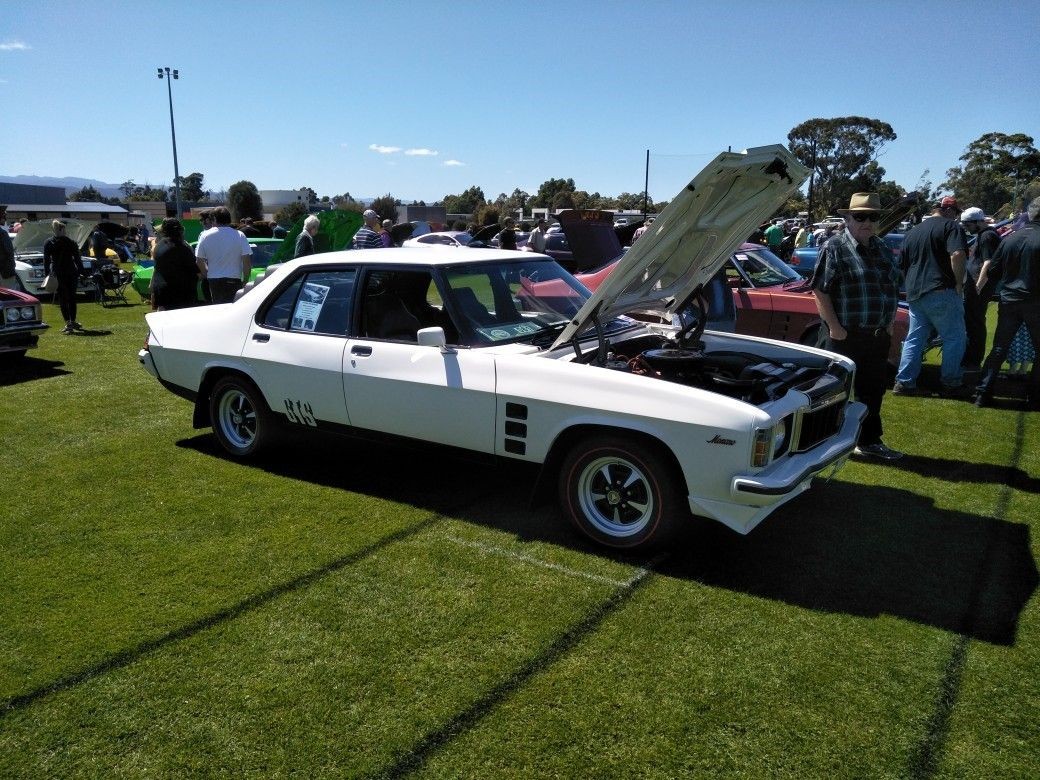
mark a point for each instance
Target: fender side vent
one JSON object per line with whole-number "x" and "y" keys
{"x": 516, "y": 411}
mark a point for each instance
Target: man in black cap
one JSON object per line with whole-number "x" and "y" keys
{"x": 1017, "y": 265}
{"x": 934, "y": 257}
{"x": 856, "y": 284}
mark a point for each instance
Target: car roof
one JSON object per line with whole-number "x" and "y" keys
{"x": 419, "y": 255}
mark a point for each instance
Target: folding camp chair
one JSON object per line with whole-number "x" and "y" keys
{"x": 111, "y": 282}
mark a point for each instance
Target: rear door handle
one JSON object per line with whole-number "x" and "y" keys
{"x": 361, "y": 351}
{"x": 262, "y": 337}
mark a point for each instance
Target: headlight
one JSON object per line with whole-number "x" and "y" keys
{"x": 770, "y": 443}
{"x": 28, "y": 312}
{"x": 12, "y": 314}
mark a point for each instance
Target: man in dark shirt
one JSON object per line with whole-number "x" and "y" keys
{"x": 934, "y": 255}
{"x": 1017, "y": 264}
{"x": 856, "y": 284}
{"x": 507, "y": 236}
{"x": 976, "y": 299}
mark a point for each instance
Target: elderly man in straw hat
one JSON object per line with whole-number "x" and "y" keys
{"x": 856, "y": 283}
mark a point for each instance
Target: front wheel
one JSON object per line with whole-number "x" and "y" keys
{"x": 240, "y": 419}
{"x": 621, "y": 492}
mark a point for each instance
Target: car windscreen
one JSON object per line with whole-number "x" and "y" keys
{"x": 510, "y": 301}
{"x": 762, "y": 268}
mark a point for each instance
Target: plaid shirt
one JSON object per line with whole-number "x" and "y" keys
{"x": 863, "y": 282}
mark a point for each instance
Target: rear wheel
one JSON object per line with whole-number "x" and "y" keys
{"x": 621, "y": 492}
{"x": 241, "y": 422}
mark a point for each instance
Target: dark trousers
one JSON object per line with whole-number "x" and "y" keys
{"x": 868, "y": 348}
{"x": 1010, "y": 317}
{"x": 223, "y": 290}
{"x": 975, "y": 305}
{"x": 66, "y": 295}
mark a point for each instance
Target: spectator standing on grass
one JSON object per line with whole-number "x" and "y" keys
{"x": 61, "y": 257}
{"x": 1017, "y": 265}
{"x": 7, "y": 275}
{"x": 507, "y": 236}
{"x": 856, "y": 284}
{"x": 976, "y": 297}
{"x": 536, "y": 241}
{"x": 801, "y": 239}
{"x": 223, "y": 257}
{"x": 774, "y": 237}
{"x": 368, "y": 236}
{"x": 176, "y": 274}
{"x": 934, "y": 257}
{"x": 305, "y": 241}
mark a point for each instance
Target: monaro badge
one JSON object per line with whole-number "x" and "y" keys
{"x": 716, "y": 439}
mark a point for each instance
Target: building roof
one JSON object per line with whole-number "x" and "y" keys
{"x": 79, "y": 207}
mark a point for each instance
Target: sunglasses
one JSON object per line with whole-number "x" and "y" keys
{"x": 865, "y": 217}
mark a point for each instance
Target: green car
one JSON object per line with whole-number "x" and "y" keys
{"x": 264, "y": 250}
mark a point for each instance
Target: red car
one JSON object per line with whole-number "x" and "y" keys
{"x": 771, "y": 299}
{"x": 21, "y": 323}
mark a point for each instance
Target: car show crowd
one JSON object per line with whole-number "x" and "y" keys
{"x": 951, "y": 266}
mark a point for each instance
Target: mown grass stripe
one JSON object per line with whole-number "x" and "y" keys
{"x": 491, "y": 549}
{"x": 414, "y": 759}
{"x": 249, "y": 604}
{"x": 924, "y": 761}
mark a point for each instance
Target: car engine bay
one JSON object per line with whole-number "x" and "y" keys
{"x": 749, "y": 377}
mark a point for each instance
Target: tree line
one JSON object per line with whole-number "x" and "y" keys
{"x": 998, "y": 172}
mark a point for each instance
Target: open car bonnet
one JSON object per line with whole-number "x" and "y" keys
{"x": 33, "y": 235}
{"x": 700, "y": 228}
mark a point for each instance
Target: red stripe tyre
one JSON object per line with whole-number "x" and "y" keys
{"x": 621, "y": 492}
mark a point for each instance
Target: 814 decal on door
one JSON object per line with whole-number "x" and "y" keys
{"x": 300, "y": 412}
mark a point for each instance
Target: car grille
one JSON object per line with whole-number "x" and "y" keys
{"x": 818, "y": 425}
{"x": 828, "y": 396}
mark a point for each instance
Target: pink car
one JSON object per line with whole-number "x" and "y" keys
{"x": 21, "y": 323}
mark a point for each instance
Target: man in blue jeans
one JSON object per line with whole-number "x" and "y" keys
{"x": 934, "y": 256}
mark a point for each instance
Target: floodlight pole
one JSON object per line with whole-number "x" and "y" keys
{"x": 646, "y": 186}
{"x": 173, "y": 133}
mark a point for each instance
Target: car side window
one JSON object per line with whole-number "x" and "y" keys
{"x": 396, "y": 304}
{"x": 316, "y": 302}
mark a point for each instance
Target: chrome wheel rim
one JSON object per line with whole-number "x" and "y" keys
{"x": 615, "y": 496}
{"x": 237, "y": 419}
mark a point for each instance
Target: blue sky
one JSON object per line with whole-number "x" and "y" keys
{"x": 426, "y": 99}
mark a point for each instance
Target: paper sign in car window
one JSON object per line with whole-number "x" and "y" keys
{"x": 308, "y": 308}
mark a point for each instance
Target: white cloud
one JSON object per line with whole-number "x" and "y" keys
{"x": 421, "y": 152}
{"x": 14, "y": 46}
{"x": 453, "y": 162}
{"x": 384, "y": 149}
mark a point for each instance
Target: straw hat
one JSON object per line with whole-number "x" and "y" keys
{"x": 863, "y": 202}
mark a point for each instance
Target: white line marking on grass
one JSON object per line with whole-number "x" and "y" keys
{"x": 500, "y": 551}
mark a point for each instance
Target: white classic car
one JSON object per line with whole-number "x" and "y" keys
{"x": 505, "y": 353}
{"x": 28, "y": 254}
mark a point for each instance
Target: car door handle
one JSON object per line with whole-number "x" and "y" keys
{"x": 361, "y": 351}
{"x": 262, "y": 337}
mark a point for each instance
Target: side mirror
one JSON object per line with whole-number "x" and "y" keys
{"x": 433, "y": 337}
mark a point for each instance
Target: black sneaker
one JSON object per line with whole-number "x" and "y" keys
{"x": 877, "y": 452}
{"x": 957, "y": 392}
{"x": 901, "y": 389}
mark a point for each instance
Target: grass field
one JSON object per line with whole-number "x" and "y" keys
{"x": 354, "y": 611}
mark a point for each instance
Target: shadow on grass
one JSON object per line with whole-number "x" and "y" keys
{"x": 92, "y": 333}
{"x": 962, "y": 471}
{"x": 856, "y": 549}
{"x": 28, "y": 369}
